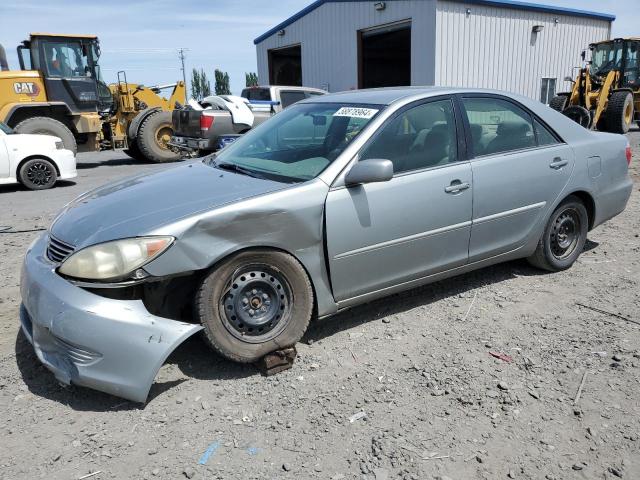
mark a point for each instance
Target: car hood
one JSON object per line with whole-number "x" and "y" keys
{"x": 134, "y": 206}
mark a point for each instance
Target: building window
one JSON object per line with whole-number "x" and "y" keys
{"x": 548, "y": 90}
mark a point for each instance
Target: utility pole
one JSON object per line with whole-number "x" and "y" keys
{"x": 184, "y": 73}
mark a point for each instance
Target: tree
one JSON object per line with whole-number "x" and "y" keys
{"x": 196, "y": 93}
{"x": 251, "y": 79}
{"x": 205, "y": 85}
{"x": 200, "y": 85}
{"x": 222, "y": 83}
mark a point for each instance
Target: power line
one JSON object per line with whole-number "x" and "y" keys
{"x": 138, "y": 50}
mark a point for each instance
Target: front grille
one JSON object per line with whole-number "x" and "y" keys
{"x": 57, "y": 250}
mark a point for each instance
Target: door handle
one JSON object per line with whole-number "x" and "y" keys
{"x": 457, "y": 186}
{"x": 558, "y": 163}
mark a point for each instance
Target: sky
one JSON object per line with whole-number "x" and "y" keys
{"x": 143, "y": 37}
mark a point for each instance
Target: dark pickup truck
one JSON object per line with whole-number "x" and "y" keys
{"x": 221, "y": 119}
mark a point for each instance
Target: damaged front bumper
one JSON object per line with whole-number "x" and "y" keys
{"x": 115, "y": 346}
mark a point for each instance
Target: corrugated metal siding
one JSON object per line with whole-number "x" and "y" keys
{"x": 495, "y": 48}
{"x": 328, "y": 36}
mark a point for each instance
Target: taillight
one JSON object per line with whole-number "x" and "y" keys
{"x": 629, "y": 154}
{"x": 205, "y": 122}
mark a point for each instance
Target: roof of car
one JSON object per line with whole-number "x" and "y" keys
{"x": 389, "y": 95}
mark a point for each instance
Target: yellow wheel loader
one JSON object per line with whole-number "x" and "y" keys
{"x": 59, "y": 91}
{"x": 606, "y": 92}
{"x": 142, "y": 120}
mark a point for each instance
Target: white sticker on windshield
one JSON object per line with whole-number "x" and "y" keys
{"x": 356, "y": 112}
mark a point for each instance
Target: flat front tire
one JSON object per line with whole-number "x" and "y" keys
{"x": 254, "y": 303}
{"x": 564, "y": 236}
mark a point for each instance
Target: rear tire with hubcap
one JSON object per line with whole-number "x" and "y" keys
{"x": 254, "y": 303}
{"x": 38, "y": 174}
{"x": 563, "y": 238}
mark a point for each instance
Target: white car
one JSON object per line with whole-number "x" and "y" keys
{"x": 35, "y": 161}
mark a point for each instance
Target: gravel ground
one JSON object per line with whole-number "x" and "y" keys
{"x": 405, "y": 387}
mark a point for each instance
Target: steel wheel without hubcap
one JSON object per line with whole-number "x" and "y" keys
{"x": 565, "y": 234}
{"x": 254, "y": 302}
{"x": 256, "y": 305}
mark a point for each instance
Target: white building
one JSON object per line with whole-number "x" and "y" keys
{"x": 346, "y": 44}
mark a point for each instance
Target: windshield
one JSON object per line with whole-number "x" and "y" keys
{"x": 104, "y": 94}
{"x": 297, "y": 144}
{"x": 5, "y": 128}
{"x": 606, "y": 57}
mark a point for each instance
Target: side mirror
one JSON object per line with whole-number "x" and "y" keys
{"x": 568, "y": 79}
{"x": 370, "y": 171}
{"x": 583, "y": 55}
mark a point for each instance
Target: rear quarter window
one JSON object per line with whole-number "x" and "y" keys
{"x": 543, "y": 134}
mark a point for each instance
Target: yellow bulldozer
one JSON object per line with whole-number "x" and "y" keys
{"x": 59, "y": 91}
{"x": 606, "y": 92}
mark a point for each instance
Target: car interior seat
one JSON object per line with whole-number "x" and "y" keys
{"x": 433, "y": 151}
{"x": 476, "y": 135}
{"x": 511, "y": 135}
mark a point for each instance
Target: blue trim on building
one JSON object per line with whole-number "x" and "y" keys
{"x": 490, "y": 3}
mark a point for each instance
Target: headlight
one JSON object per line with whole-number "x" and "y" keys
{"x": 114, "y": 260}
{"x": 59, "y": 145}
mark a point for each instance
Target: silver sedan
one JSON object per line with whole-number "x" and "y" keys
{"x": 334, "y": 202}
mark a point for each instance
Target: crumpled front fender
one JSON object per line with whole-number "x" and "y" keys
{"x": 115, "y": 346}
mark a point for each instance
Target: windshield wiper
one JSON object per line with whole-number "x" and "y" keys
{"x": 232, "y": 167}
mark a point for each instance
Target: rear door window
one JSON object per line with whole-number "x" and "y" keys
{"x": 498, "y": 126}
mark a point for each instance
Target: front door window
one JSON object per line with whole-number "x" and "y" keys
{"x": 420, "y": 137}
